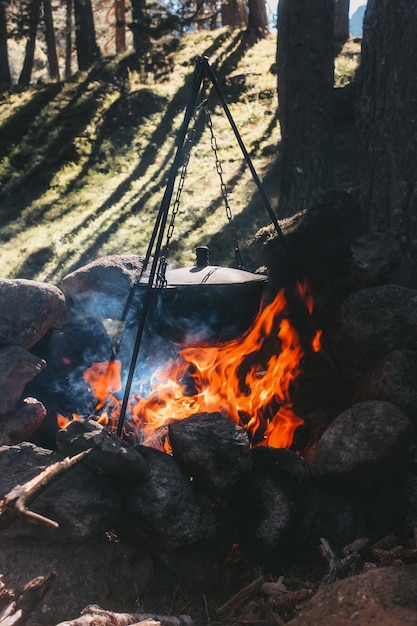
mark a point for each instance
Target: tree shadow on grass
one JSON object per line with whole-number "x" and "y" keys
{"x": 130, "y": 205}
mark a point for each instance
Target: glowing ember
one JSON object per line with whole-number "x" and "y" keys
{"x": 247, "y": 380}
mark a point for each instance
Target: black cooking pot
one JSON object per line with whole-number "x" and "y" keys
{"x": 207, "y": 304}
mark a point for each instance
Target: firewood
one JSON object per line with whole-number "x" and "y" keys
{"x": 19, "y": 611}
{"x": 239, "y": 598}
{"x": 401, "y": 555}
{"x": 14, "y": 503}
{"x": 94, "y": 615}
{"x": 357, "y": 546}
{"x": 386, "y": 543}
{"x": 292, "y": 599}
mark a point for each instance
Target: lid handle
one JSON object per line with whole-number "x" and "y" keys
{"x": 202, "y": 256}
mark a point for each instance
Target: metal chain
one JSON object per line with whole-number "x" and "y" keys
{"x": 161, "y": 280}
{"x": 219, "y": 169}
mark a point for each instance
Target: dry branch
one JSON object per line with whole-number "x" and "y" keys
{"x": 19, "y": 611}
{"x": 93, "y": 615}
{"x": 14, "y": 503}
{"x": 238, "y": 599}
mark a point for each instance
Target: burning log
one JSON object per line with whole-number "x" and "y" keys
{"x": 14, "y": 503}
{"x": 95, "y": 616}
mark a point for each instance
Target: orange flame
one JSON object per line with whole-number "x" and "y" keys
{"x": 224, "y": 382}
{"x": 104, "y": 379}
{"x": 247, "y": 380}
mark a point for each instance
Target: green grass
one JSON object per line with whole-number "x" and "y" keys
{"x": 84, "y": 164}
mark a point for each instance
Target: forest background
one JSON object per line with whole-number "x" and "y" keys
{"x": 89, "y": 123}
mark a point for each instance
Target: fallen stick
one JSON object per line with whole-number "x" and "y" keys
{"x": 93, "y": 615}
{"x": 14, "y": 503}
{"x": 17, "y": 612}
{"x": 239, "y": 598}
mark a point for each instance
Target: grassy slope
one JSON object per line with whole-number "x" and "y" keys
{"x": 84, "y": 164}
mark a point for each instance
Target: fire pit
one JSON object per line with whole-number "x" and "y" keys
{"x": 257, "y": 453}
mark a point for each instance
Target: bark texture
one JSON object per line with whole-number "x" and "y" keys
{"x": 85, "y": 34}
{"x": 305, "y": 91}
{"x": 341, "y": 20}
{"x": 5, "y": 75}
{"x": 387, "y": 122}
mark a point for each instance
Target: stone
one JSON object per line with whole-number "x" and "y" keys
{"x": 78, "y": 500}
{"x": 394, "y": 379}
{"x": 376, "y": 321}
{"x": 385, "y": 596}
{"x": 109, "y": 454}
{"x": 17, "y": 367}
{"x": 166, "y": 505}
{"x": 101, "y": 288}
{"x": 268, "y": 501}
{"x": 375, "y": 260}
{"x": 213, "y": 449}
{"x": 20, "y": 425}
{"x": 364, "y": 443}
{"x": 28, "y": 309}
{"x": 98, "y": 571}
{"x": 315, "y": 243}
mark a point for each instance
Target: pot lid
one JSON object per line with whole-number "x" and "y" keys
{"x": 204, "y": 274}
{"x": 210, "y": 275}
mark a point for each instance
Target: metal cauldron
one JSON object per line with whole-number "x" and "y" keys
{"x": 207, "y": 304}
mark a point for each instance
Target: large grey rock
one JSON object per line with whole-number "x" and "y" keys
{"x": 394, "y": 379}
{"x": 28, "y": 309}
{"x": 166, "y": 505}
{"x": 99, "y": 571}
{"x": 109, "y": 454}
{"x": 378, "y": 320}
{"x": 363, "y": 444}
{"x": 102, "y": 287}
{"x": 386, "y": 596}
{"x": 81, "y": 503}
{"x": 21, "y": 424}
{"x": 17, "y": 367}
{"x": 213, "y": 449}
{"x": 375, "y": 260}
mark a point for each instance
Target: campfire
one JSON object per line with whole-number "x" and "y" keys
{"x": 248, "y": 380}
{"x": 278, "y": 445}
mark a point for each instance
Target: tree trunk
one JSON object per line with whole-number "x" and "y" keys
{"x": 234, "y": 13}
{"x": 50, "y": 40}
{"x": 120, "y": 12}
{"x": 85, "y": 34}
{"x": 68, "y": 37}
{"x": 26, "y": 73}
{"x": 5, "y": 76}
{"x": 305, "y": 94}
{"x": 141, "y": 38}
{"x": 387, "y": 122}
{"x": 341, "y": 20}
{"x": 257, "y": 21}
